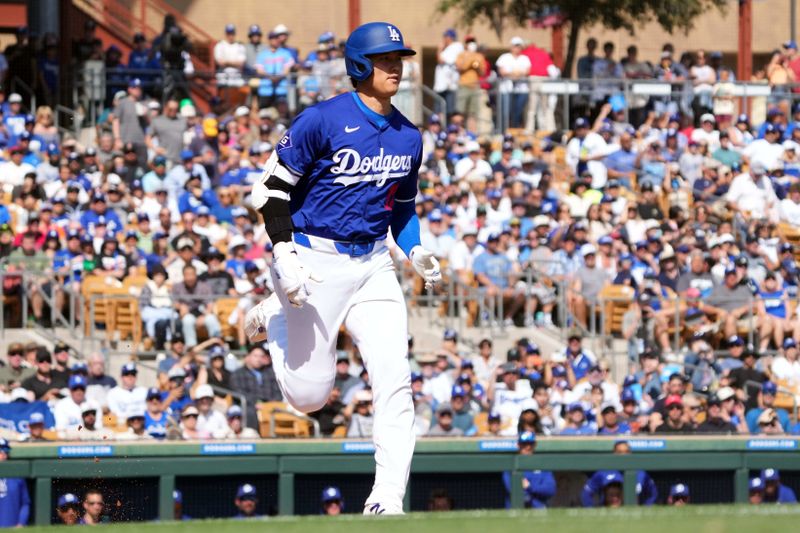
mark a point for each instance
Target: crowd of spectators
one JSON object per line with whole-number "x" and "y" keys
{"x": 692, "y": 208}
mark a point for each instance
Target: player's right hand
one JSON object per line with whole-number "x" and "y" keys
{"x": 293, "y": 277}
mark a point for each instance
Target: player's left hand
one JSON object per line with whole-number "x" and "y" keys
{"x": 426, "y": 266}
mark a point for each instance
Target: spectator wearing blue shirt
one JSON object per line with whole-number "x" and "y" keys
{"x": 177, "y": 503}
{"x": 622, "y": 163}
{"x": 611, "y": 424}
{"x": 175, "y": 181}
{"x": 196, "y": 196}
{"x": 274, "y": 64}
{"x": 493, "y": 270}
{"x": 593, "y": 493}
{"x": 177, "y": 397}
{"x": 579, "y": 358}
{"x": 154, "y": 180}
{"x": 155, "y": 419}
{"x": 538, "y": 485}
{"x": 769, "y": 391}
{"x": 14, "y": 119}
{"x": 15, "y": 503}
{"x": 99, "y": 214}
{"x": 774, "y": 490}
{"x": 576, "y": 422}
{"x": 462, "y": 417}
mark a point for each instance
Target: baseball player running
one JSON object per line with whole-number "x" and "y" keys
{"x": 344, "y": 173}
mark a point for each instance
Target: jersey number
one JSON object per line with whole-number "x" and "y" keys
{"x": 390, "y": 197}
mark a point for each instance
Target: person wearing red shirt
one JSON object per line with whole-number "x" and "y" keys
{"x": 540, "y": 70}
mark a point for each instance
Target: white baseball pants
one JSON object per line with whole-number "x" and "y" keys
{"x": 363, "y": 294}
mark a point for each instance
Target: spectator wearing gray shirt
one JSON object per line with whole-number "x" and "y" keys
{"x": 253, "y": 47}
{"x": 166, "y": 133}
{"x": 731, "y": 304}
{"x": 586, "y": 285}
{"x": 128, "y": 124}
{"x": 444, "y": 423}
{"x": 193, "y": 299}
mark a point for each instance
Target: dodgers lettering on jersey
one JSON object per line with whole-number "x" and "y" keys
{"x": 351, "y": 170}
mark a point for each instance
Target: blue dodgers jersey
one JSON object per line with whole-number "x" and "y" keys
{"x": 352, "y": 171}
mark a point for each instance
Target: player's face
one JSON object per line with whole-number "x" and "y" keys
{"x": 386, "y": 72}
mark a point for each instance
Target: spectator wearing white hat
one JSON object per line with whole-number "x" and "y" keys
{"x": 209, "y": 420}
{"x": 283, "y": 33}
{"x": 473, "y": 168}
{"x": 751, "y": 193}
{"x": 514, "y": 68}
{"x": 361, "y": 420}
{"x": 230, "y": 57}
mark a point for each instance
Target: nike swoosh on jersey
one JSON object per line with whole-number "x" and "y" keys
{"x": 348, "y": 129}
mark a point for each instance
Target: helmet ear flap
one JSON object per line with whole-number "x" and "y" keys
{"x": 358, "y": 67}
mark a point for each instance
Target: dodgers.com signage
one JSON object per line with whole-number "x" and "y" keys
{"x": 772, "y": 444}
{"x": 228, "y": 449}
{"x": 647, "y": 445}
{"x": 358, "y": 447}
{"x": 497, "y": 445}
{"x": 85, "y": 450}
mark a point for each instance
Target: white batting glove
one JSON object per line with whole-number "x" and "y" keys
{"x": 426, "y": 266}
{"x": 293, "y": 277}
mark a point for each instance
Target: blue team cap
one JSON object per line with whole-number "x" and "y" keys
{"x": 450, "y": 32}
{"x": 450, "y": 335}
{"x": 494, "y": 236}
{"x": 580, "y": 122}
{"x": 494, "y": 417}
{"x": 78, "y": 367}
{"x": 77, "y": 381}
{"x": 36, "y": 418}
{"x": 434, "y": 119}
{"x": 59, "y": 200}
{"x": 87, "y": 239}
{"x": 770, "y": 128}
{"x": 159, "y": 235}
{"x": 29, "y": 119}
{"x": 234, "y": 411}
{"x": 735, "y": 340}
{"x": 67, "y": 499}
{"x": 250, "y": 266}
{"x": 607, "y": 199}
{"x": 641, "y": 244}
{"x": 730, "y": 269}
{"x": 494, "y": 194}
{"x": 186, "y": 155}
{"x": 742, "y": 119}
{"x": 52, "y": 149}
{"x": 464, "y": 378}
{"x": 679, "y": 490}
{"x": 254, "y": 29}
{"x": 755, "y": 484}
{"x": 435, "y": 216}
{"x": 246, "y": 492}
{"x": 789, "y": 342}
{"x": 611, "y": 478}
{"x": 216, "y": 351}
{"x": 627, "y": 396}
{"x": 330, "y": 494}
{"x": 457, "y": 391}
{"x": 73, "y": 185}
{"x": 574, "y": 406}
{"x": 466, "y": 363}
{"x": 160, "y": 160}
{"x": 152, "y": 393}
{"x": 131, "y": 234}
{"x": 769, "y": 387}
{"x": 527, "y": 437}
{"x": 605, "y": 240}
{"x": 625, "y": 257}
{"x": 177, "y": 496}
{"x": 129, "y": 369}
{"x": 230, "y": 28}
{"x": 203, "y": 211}
{"x": 99, "y": 197}
{"x": 790, "y": 45}
{"x": 25, "y": 136}
{"x": 239, "y": 211}
{"x": 770, "y": 474}
{"x": 326, "y": 37}
{"x": 141, "y": 217}
{"x": 135, "y": 82}
{"x": 416, "y": 376}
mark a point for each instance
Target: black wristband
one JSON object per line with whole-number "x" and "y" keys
{"x": 277, "y": 220}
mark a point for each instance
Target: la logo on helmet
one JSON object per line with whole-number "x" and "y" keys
{"x": 394, "y": 35}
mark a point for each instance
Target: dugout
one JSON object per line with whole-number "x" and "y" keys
{"x": 138, "y": 480}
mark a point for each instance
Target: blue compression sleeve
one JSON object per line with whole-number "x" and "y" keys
{"x": 405, "y": 226}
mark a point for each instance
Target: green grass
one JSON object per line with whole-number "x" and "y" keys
{"x": 697, "y": 519}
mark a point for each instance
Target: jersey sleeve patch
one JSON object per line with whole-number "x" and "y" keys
{"x": 285, "y": 142}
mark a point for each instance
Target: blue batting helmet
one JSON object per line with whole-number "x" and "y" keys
{"x": 369, "y": 39}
